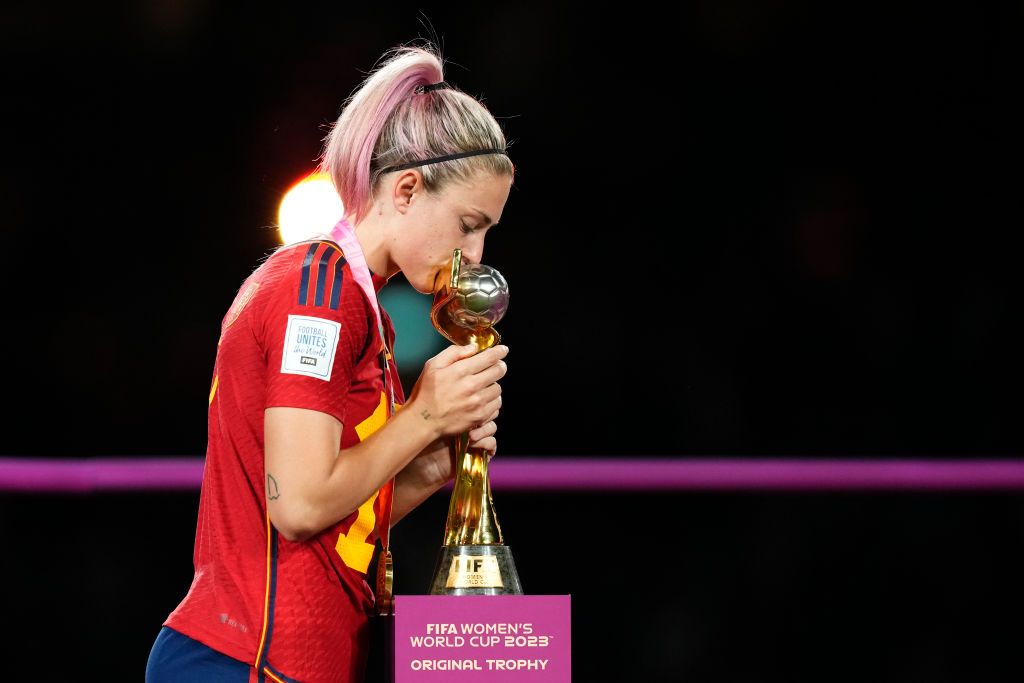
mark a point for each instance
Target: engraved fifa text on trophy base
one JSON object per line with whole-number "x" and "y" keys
{"x": 476, "y": 570}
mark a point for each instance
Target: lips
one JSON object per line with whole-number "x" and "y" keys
{"x": 441, "y": 277}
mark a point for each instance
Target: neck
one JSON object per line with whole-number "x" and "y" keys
{"x": 374, "y": 246}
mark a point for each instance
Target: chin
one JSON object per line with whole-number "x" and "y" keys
{"x": 432, "y": 284}
{"x": 421, "y": 284}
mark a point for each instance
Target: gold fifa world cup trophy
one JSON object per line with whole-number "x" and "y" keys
{"x": 474, "y": 559}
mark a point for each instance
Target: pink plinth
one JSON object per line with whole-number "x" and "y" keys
{"x": 482, "y": 638}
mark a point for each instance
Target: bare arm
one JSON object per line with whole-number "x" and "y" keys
{"x": 310, "y": 485}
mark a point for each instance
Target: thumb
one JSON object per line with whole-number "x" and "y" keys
{"x": 454, "y": 353}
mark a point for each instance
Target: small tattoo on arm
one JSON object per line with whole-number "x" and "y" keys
{"x": 272, "y": 491}
{"x": 425, "y": 414}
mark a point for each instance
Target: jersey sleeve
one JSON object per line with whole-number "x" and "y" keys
{"x": 315, "y": 331}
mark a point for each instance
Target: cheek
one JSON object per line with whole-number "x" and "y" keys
{"x": 436, "y": 250}
{"x": 423, "y": 255}
{"x": 420, "y": 267}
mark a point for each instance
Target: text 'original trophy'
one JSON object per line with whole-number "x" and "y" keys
{"x": 474, "y": 559}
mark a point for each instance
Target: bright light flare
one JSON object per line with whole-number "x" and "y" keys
{"x": 311, "y": 206}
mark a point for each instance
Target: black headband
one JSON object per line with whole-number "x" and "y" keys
{"x": 419, "y": 90}
{"x": 447, "y": 157}
{"x": 441, "y": 85}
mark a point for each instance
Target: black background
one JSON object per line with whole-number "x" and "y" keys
{"x": 743, "y": 229}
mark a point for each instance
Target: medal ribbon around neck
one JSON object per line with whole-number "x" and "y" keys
{"x": 345, "y": 235}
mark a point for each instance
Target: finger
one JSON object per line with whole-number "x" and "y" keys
{"x": 453, "y": 354}
{"x": 483, "y": 431}
{"x": 492, "y": 408}
{"x": 484, "y": 359}
{"x": 492, "y": 374}
{"x": 489, "y": 444}
{"x": 478, "y": 416}
{"x": 488, "y": 394}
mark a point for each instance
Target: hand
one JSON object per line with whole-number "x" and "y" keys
{"x": 458, "y": 392}
{"x": 435, "y": 465}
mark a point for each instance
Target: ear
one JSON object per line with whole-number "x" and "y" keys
{"x": 407, "y": 186}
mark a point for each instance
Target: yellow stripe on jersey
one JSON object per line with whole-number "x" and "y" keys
{"x": 355, "y": 552}
{"x": 375, "y": 421}
{"x": 268, "y": 672}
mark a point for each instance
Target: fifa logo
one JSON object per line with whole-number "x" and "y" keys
{"x": 473, "y": 565}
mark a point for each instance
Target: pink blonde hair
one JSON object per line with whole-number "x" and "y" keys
{"x": 385, "y": 122}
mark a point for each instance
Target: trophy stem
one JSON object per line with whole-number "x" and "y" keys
{"x": 474, "y": 559}
{"x": 471, "y": 516}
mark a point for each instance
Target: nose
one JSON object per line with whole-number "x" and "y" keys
{"x": 473, "y": 250}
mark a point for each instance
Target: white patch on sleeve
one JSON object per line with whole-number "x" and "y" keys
{"x": 309, "y": 346}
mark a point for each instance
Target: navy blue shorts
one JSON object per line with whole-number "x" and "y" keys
{"x": 175, "y": 657}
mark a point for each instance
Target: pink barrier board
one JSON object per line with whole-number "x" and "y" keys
{"x": 513, "y": 638}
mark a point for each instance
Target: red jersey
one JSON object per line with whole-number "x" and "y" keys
{"x": 300, "y": 333}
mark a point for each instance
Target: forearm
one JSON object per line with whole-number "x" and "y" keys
{"x": 411, "y": 490}
{"x": 315, "y": 486}
{"x": 364, "y": 468}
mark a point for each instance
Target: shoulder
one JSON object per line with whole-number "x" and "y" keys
{"x": 315, "y": 275}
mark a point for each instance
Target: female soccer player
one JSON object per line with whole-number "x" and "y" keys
{"x": 308, "y": 463}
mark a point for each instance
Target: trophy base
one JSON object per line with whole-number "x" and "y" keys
{"x": 475, "y": 570}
